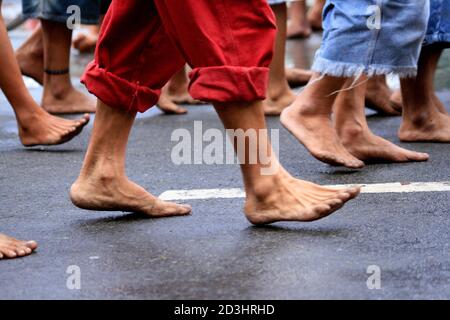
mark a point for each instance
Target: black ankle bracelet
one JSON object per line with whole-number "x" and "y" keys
{"x": 57, "y": 72}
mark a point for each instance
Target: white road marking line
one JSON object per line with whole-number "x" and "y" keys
{"x": 396, "y": 187}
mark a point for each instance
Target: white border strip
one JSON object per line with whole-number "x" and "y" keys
{"x": 396, "y": 187}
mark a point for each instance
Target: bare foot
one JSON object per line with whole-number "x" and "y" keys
{"x": 378, "y": 97}
{"x": 431, "y": 127}
{"x": 368, "y": 147}
{"x": 289, "y": 199}
{"x": 11, "y": 248}
{"x": 167, "y": 105}
{"x": 111, "y": 193}
{"x": 179, "y": 94}
{"x": 85, "y": 42}
{"x": 397, "y": 100}
{"x": 298, "y": 77}
{"x": 68, "y": 101}
{"x": 31, "y": 62}
{"x": 315, "y": 16}
{"x": 318, "y": 135}
{"x": 298, "y": 31}
{"x": 276, "y": 103}
{"x": 44, "y": 129}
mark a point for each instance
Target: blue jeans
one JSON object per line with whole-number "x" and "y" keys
{"x": 372, "y": 37}
{"x": 56, "y": 10}
{"x": 439, "y": 24}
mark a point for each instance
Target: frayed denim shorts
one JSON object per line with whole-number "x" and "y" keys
{"x": 56, "y": 10}
{"x": 439, "y": 24}
{"x": 372, "y": 37}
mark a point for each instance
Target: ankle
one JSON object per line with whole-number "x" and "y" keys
{"x": 419, "y": 117}
{"x": 102, "y": 170}
{"x": 30, "y": 116}
{"x": 349, "y": 130}
{"x": 265, "y": 186}
{"x": 57, "y": 88}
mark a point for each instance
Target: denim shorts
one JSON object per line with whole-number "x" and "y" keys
{"x": 439, "y": 24}
{"x": 56, "y": 10}
{"x": 372, "y": 37}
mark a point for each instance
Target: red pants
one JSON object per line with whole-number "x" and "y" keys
{"x": 143, "y": 43}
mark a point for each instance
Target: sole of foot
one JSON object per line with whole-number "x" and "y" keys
{"x": 370, "y": 148}
{"x": 318, "y": 135}
{"x": 379, "y": 98}
{"x": 48, "y": 130}
{"x": 396, "y": 100}
{"x": 296, "y": 200}
{"x": 11, "y": 248}
{"x": 112, "y": 194}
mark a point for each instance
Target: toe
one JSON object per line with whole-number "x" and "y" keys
{"x": 86, "y": 118}
{"x": 355, "y": 164}
{"x": 11, "y": 254}
{"x": 168, "y": 209}
{"x": 353, "y": 192}
{"x": 20, "y": 252}
{"x": 31, "y": 245}
{"x": 321, "y": 211}
{"x": 333, "y": 203}
{"x": 418, "y": 156}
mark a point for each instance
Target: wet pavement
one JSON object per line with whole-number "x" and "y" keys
{"x": 216, "y": 253}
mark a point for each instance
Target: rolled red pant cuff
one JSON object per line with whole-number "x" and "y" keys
{"x": 117, "y": 92}
{"x": 229, "y": 83}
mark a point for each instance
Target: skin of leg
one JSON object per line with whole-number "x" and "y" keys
{"x": 424, "y": 116}
{"x": 309, "y": 120}
{"x": 30, "y": 56}
{"x": 60, "y": 97}
{"x": 378, "y": 97}
{"x": 315, "y": 14}
{"x": 279, "y": 93}
{"x": 36, "y": 127}
{"x": 429, "y": 63}
{"x": 355, "y": 134}
{"x": 11, "y": 248}
{"x": 279, "y": 196}
{"x": 102, "y": 184}
{"x": 299, "y": 25}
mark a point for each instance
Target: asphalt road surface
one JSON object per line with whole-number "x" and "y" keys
{"x": 215, "y": 253}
